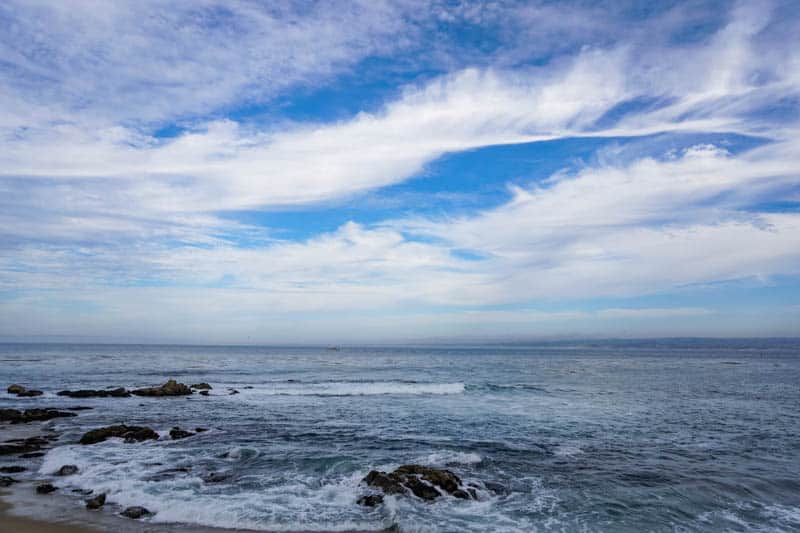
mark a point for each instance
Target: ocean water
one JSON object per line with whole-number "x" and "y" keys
{"x": 680, "y": 435}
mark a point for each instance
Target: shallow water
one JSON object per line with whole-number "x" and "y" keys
{"x": 604, "y": 436}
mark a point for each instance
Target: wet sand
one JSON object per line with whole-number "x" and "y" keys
{"x": 18, "y": 524}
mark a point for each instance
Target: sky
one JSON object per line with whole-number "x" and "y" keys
{"x": 407, "y": 171}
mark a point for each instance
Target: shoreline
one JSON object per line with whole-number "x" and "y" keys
{"x": 24, "y": 524}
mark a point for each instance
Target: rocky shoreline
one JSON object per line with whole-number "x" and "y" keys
{"x": 416, "y": 481}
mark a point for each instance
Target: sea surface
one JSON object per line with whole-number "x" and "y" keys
{"x": 677, "y": 435}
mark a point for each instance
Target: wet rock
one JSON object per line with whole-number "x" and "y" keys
{"x": 45, "y": 488}
{"x": 203, "y": 386}
{"x": 97, "y": 502}
{"x": 170, "y": 388}
{"x": 129, "y": 433}
{"x": 204, "y": 392}
{"x": 16, "y": 416}
{"x": 371, "y": 500}
{"x": 6, "y": 481}
{"x": 422, "y": 481}
{"x": 215, "y": 477}
{"x": 67, "y": 470}
{"x": 79, "y": 408}
{"x": 178, "y": 433}
{"x": 15, "y": 389}
{"x": 119, "y": 392}
{"x": 83, "y": 492}
{"x": 12, "y": 469}
{"x": 200, "y": 430}
{"x": 30, "y": 393}
{"x": 23, "y": 446}
{"x": 136, "y": 512}
{"x": 31, "y": 455}
{"x": 232, "y": 392}
{"x": 495, "y": 488}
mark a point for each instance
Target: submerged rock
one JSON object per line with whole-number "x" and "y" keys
{"x": 45, "y": 488}
{"x": 12, "y": 469}
{"x": 19, "y": 390}
{"x": 203, "y": 386}
{"x": 6, "y": 481}
{"x": 29, "y": 393}
{"x": 129, "y": 433}
{"x": 170, "y": 388}
{"x": 200, "y": 430}
{"x": 31, "y": 455}
{"x": 97, "y": 502}
{"x": 215, "y": 477}
{"x": 178, "y": 433}
{"x": 67, "y": 470}
{"x": 204, "y": 392}
{"x": 119, "y": 392}
{"x": 422, "y": 481}
{"x": 136, "y": 512}
{"x": 16, "y": 416}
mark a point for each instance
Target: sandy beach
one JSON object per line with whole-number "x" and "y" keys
{"x": 9, "y": 522}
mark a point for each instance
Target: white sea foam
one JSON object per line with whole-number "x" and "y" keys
{"x": 349, "y": 388}
{"x": 449, "y": 457}
{"x": 566, "y": 450}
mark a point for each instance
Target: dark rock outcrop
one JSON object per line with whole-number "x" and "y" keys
{"x": 370, "y": 500}
{"x": 202, "y": 386}
{"x": 215, "y": 477}
{"x": 97, "y": 502}
{"x": 200, "y": 430}
{"x": 204, "y": 392}
{"x": 23, "y": 446}
{"x": 422, "y": 481}
{"x": 45, "y": 488}
{"x": 31, "y": 455}
{"x": 15, "y": 389}
{"x": 119, "y": 392}
{"x": 67, "y": 470}
{"x": 31, "y": 415}
{"x": 129, "y": 433}
{"x": 12, "y": 469}
{"x": 178, "y": 433}
{"x": 19, "y": 390}
{"x": 136, "y": 512}
{"x": 170, "y": 388}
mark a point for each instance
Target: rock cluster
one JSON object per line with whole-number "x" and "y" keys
{"x": 129, "y": 433}
{"x": 45, "y": 488}
{"x": 31, "y": 415}
{"x": 178, "y": 433}
{"x": 19, "y": 390}
{"x": 422, "y": 481}
{"x": 170, "y": 388}
{"x": 119, "y": 392}
{"x": 26, "y": 447}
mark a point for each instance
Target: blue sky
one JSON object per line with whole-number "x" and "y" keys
{"x": 225, "y": 172}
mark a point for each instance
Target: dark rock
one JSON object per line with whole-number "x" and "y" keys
{"x": 31, "y": 455}
{"x": 119, "y": 392}
{"x": 496, "y": 488}
{"x": 12, "y": 469}
{"x": 136, "y": 512}
{"x": 204, "y": 392}
{"x": 170, "y": 388}
{"x": 97, "y": 502}
{"x": 79, "y": 408}
{"x": 424, "y": 482}
{"x": 370, "y": 500}
{"x": 388, "y": 483}
{"x": 232, "y": 392}
{"x": 30, "y": 393}
{"x": 67, "y": 470}
{"x": 178, "y": 433}
{"x": 200, "y": 430}
{"x": 31, "y": 444}
{"x": 31, "y": 415}
{"x": 6, "y": 481}
{"x": 203, "y": 385}
{"x": 45, "y": 488}
{"x": 129, "y": 433}
{"x": 421, "y": 489}
{"x": 250, "y": 386}
{"x": 15, "y": 389}
{"x": 215, "y": 477}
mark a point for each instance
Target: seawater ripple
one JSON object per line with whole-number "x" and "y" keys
{"x": 600, "y": 436}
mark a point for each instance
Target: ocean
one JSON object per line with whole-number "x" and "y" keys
{"x": 657, "y": 435}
